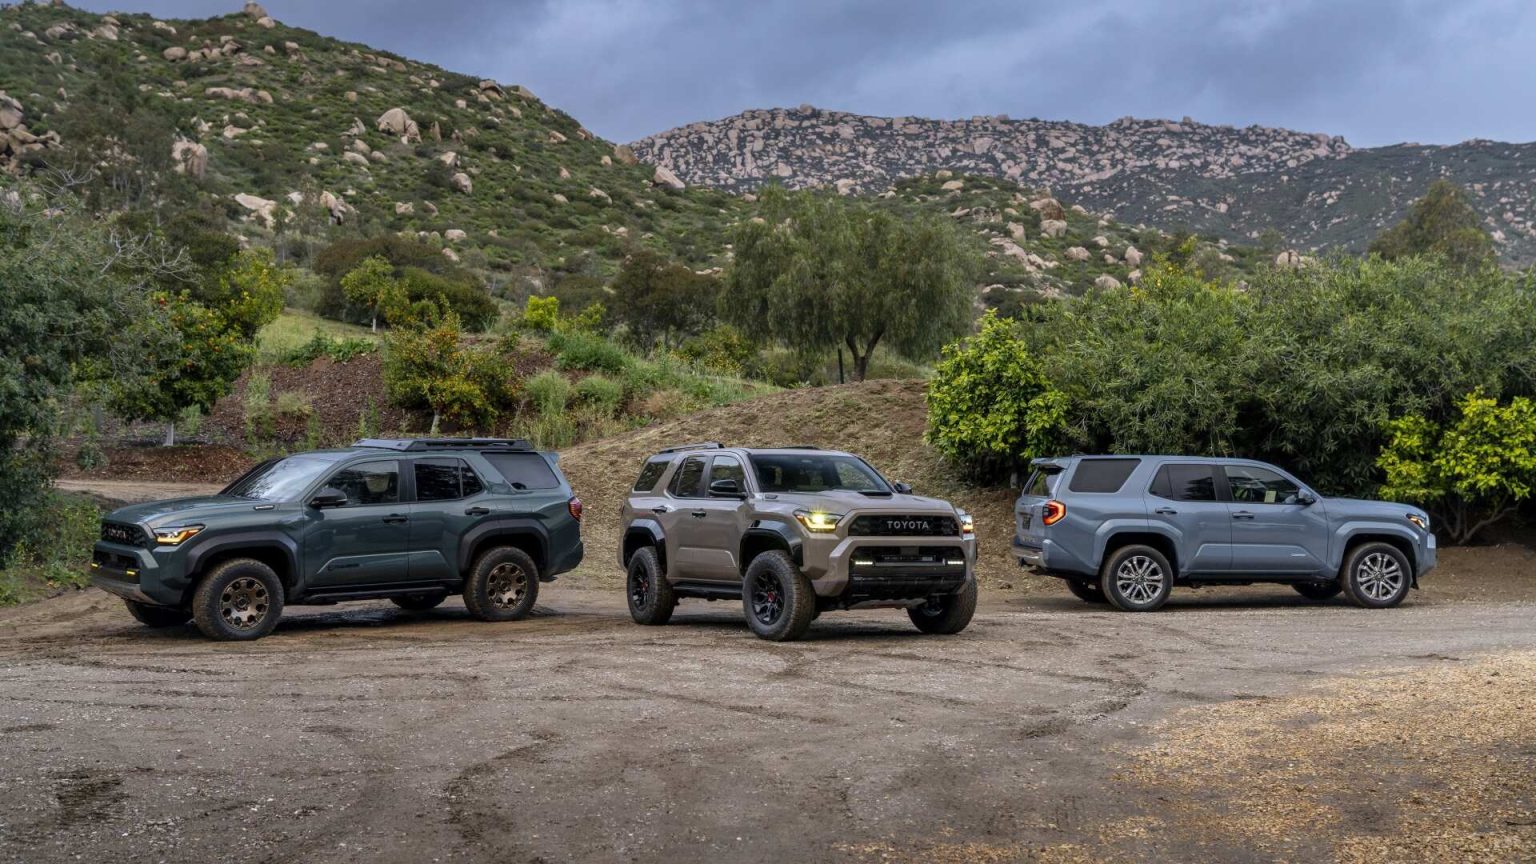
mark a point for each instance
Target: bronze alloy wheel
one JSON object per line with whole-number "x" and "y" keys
{"x": 506, "y": 585}
{"x": 244, "y": 603}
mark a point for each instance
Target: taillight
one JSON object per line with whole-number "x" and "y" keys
{"x": 1054, "y": 512}
{"x": 575, "y": 507}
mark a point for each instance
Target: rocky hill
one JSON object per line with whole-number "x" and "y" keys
{"x": 1315, "y": 190}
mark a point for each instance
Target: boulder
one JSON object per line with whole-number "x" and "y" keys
{"x": 360, "y": 146}
{"x": 462, "y": 183}
{"x": 175, "y": 53}
{"x": 1049, "y": 208}
{"x": 1132, "y": 256}
{"x": 335, "y": 206}
{"x": 404, "y": 208}
{"x": 845, "y": 186}
{"x": 491, "y": 88}
{"x": 429, "y": 207}
{"x": 663, "y": 176}
{"x": 398, "y": 123}
{"x": 355, "y": 158}
{"x": 953, "y": 185}
{"x": 260, "y": 208}
{"x": 254, "y": 10}
{"x": 1101, "y": 241}
{"x": 450, "y": 255}
{"x": 1077, "y": 253}
{"x": 556, "y": 137}
{"x": 1290, "y": 259}
{"x": 161, "y": 25}
{"x": 189, "y": 157}
{"x": 243, "y": 94}
{"x": 595, "y": 192}
{"x": 560, "y": 199}
{"x": 455, "y": 235}
{"x": 1106, "y": 282}
{"x": 1134, "y": 277}
{"x": 449, "y": 158}
{"x": 1053, "y": 227}
{"x": 625, "y": 155}
{"x": 266, "y": 21}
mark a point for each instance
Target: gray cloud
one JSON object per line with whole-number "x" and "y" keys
{"x": 1375, "y": 71}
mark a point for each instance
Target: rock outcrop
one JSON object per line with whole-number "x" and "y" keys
{"x": 398, "y": 123}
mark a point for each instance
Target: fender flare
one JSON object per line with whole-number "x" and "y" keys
{"x": 1106, "y": 531}
{"x": 506, "y": 526}
{"x": 653, "y": 533}
{"x": 780, "y": 534}
{"x": 202, "y": 549}
{"x": 1346, "y": 533}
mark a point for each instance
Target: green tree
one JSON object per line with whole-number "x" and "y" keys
{"x": 431, "y": 367}
{"x": 1441, "y": 223}
{"x": 372, "y": 284}
{"x": 1470, "y": 472}
{"x": 662, "y": 301}
{"x": 818, "y": 272}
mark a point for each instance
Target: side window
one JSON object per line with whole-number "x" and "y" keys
{"x": 1102, "y": 475}
{"x": 469, "y": 481}
{"x": 368, "y": 483}
{"x": 728, "y": 468}
{"x": 651, "y": 473}
{"x": 438, "y": 479}
{"x": 524, "y": 470}
{"x": 685, "y": 483}
{"x": 1254, "y": 485}
{"x": 1184, "y": 483}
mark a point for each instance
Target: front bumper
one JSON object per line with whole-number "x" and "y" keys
{"x": 139, "y": 574}
{"x": 874, "y": 569}
{"x": 1428, "y": 556}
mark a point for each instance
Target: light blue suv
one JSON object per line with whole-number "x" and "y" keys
{"x": 1126, "y": 529}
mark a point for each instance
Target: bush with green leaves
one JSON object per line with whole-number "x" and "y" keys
{"x": 338, "y": 349}
{"x": 1471, "y": 471}
{"x": 55, "y": 550}
{"x": 431, "y": 366}
{"x": 588, "y": 352}
{"x": 603, "y": 395}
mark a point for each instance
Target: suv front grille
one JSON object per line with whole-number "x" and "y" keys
{"x": 123, "y": 535}
{"x": 920, "y": 525}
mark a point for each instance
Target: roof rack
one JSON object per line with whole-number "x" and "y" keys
{"x": 702, "y": 445}
{"x": 419, "y": 444}
{"x": 796, "y": 447}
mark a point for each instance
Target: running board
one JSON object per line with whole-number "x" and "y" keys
{"x": 708, "y": 590}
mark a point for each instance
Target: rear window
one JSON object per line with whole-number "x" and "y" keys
{"x": 1184, "y": 483}
{"x": 1102, "y": 475}
{"x": 524, "y": 470}
{"x": 1042, "y": 483}
{"x": 650, "y": 474}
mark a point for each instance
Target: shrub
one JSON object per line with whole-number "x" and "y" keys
{"x": 53, "y": 549}
{"x": 320, "y": 345}
{"x": 723, "y": 349}
{"x": 542, "y": 314}
{"x": 587, "y": 352}
{"x": 602, "y": 395}
{"x": 548, "y": 392}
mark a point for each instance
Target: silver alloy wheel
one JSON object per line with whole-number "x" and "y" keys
{"x": 1139, "y": 579}
{"x": 244, "y": 603}
{"x": 506, "y": 585}
{"x": 1379, "y": 576}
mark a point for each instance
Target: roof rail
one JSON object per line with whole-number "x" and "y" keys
{"x": 702, "y": 445}
{"x": 796, "y": 447}
{"x": 419, "y": 444}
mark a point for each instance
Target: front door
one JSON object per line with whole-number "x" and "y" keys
{"x": 362, "y": 542}
{"x": 715, "y": 527}
{"x": 1272, "y": 532}
{"x": 1183, "y": 498}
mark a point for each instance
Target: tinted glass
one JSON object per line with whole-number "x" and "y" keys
{"x": 816, "y": 473}
{"x": 1102, "y": 475}
{"x": 650, "y": 474}
{"x": 1042, "y": 483}
{"x": 1185, "y": 483}
{"x": 437, "y": 479}
{"x": 728, "y": 468}
{"x": 280, "y": 479}
{"x": 524, "y": 470}
{"x": 368, "y": 483}
{"x": 686, "y": 482}
{"x": 469, "y": 481}
{"x": 1251, "y": 485}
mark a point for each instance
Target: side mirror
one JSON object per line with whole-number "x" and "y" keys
{"x": 902, "y": 488}
{"x": 725, "y": 489}
{"x": 1305, "y": 498}
{"x": 330, "y": 496}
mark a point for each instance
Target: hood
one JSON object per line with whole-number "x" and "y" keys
{"x": 846, "y": 502}
{"x": 1346, "y": 508}
{"x": 158, "y": 514}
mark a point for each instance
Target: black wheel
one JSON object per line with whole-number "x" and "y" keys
{"x": 1376, "y": 575}
{"x": 651, "y": 599}
{"x": 778, "y": 599}
{"x": 420, "y": 602}
{"x": 157, "y": 616}
{"x": 1088, "y": 592}
{"x": 1318, "y": 591}
{"x": 1136, "y": 579}
{"x": 502, "y": 586}
{"x": 239, "y": 601}
{"x": 946, "y": 614}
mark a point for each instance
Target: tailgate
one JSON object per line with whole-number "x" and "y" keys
{"x": 1029, "y": 530}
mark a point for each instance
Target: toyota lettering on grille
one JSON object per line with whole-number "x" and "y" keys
{"x": 119, "y": 534}
{"x": 908, "y": 525}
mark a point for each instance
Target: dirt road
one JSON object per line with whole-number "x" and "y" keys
{"x": 1239, "y": 726}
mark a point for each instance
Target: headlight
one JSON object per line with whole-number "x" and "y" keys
{"x": 967, "y": 524}
{"x": 1421, "y": 521}
{"x": 176, "y": 534}
{"x": 818, "y": 521}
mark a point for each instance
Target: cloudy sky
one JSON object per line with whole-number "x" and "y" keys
{"x": 1375, "y": 71}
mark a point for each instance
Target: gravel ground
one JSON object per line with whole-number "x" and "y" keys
{"x": 1243, "y": 726}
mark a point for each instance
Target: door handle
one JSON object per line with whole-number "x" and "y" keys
{"x": 396, "y": 517}
{"x": 1242, "y": 514}
{"x": 700, "y": 514}
{"x": 478, "y": 511}
{"x": 1166, "y": 511}
{"x": 662, "y": 509}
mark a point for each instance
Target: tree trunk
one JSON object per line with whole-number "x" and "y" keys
{"x": 373, "y": 326}
{"x": 433, "y": 430}
{"x": 861, "y": 360}
{"x": 170, "y": 434}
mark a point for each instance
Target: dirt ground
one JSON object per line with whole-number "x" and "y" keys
{"x": 1240, "y": 725}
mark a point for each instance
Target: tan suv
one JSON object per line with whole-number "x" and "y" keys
{"x": 792, "y": 532}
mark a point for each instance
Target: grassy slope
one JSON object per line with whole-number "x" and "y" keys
{"x": 294, "y": 328}
{"x": 882, "y": 421}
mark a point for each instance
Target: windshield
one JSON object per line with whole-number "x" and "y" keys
{"x": 279, "y": 479}
{"x": 817, "y": 473}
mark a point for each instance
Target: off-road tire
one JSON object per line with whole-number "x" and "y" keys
{"x": 423, "y": 602}
{"x": 1376, "y": 576}
{"x": 239, "y": 600}
{"x": 157, "y": 616}
{"x": 503, "y": 585}
{"x": 1318, "y": 591}
{"x": 1136, "y": 579}
{"x": 785, "y": 588}
{"x": 650, "y": 595}
{"x": 947, "y": 614}
{"x": 1088, "y": 592}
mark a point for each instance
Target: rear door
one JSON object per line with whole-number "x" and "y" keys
{"x": 447, "y": 505}
{"x": 1273, "y": 533}
{"x": 679, "y": 523}
{"x": 1183, "y": 498}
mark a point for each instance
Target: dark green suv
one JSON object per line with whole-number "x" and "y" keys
{"x": 411, "y": 520}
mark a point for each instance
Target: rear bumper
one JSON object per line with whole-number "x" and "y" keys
{"x": 567, "y": 562}
{"x": 1051, "y": 558}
